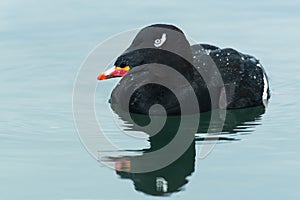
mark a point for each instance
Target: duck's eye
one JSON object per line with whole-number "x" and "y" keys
{"x": 123, "y": 64}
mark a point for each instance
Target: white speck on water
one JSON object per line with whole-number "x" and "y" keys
{"x": 227, "y": 59}
{"x": 228, "y": 54}
{"x": 204, "y": 64}
{"x": 217, "y": 55}
{"x": 254, "y": 77}
{"x": 258, "y": 65}
{"x": 54, "y": 127}
{"x": 194, "y": 57}
{"x": 227, "y": 63}
{"x": 243, "y": 58}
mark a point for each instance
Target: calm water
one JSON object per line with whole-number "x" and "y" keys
{"x": 42, "y": 47}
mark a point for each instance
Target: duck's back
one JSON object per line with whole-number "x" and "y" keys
{"x": 241, "y": 79}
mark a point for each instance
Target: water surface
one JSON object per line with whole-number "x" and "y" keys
{"x": 42, "y": 47}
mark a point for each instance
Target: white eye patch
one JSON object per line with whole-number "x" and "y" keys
{"x": 160, "y": 41}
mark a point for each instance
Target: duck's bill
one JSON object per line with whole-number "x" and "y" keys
{"x": 113, "y": 73}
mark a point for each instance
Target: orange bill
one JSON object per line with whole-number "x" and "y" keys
{"x": 114, "y": 72}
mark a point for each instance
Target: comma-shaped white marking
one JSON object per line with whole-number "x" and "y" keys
{"x": 161, "y": 184}
{"x": 160, "y": 41}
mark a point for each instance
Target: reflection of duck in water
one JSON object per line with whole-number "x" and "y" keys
{"x": 173, "y": 177}
{"x": 164, "y": 181}
{"x": 233, "y": 121}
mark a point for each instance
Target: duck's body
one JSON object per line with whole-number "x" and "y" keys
{"x": 216, "y": 78}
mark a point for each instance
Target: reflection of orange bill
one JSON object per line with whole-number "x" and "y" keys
{"x": 122, "y": 165}
{"x": 113, "y": 72}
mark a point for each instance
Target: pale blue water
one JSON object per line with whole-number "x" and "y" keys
{"x": 43, "y": 44}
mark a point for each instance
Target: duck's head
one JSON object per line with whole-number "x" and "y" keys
{"x": 157, "y": 43}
